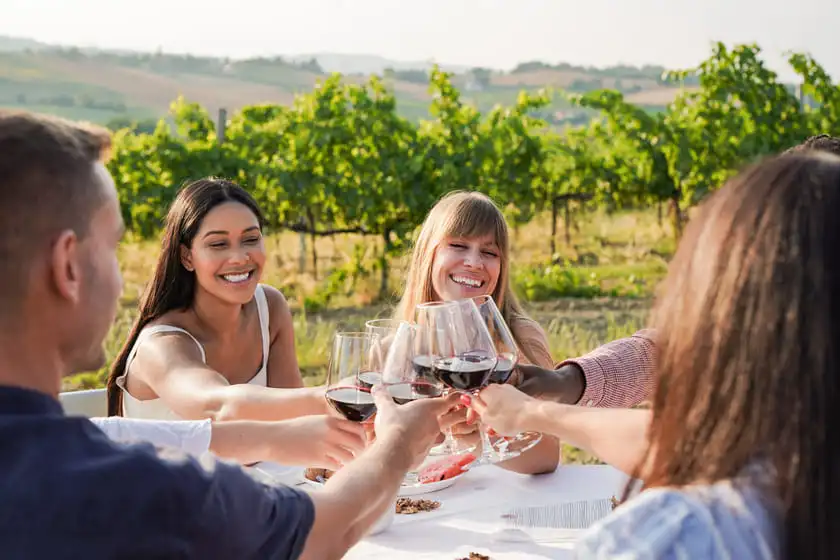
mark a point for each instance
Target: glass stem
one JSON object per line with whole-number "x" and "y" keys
{"x": 487, "y": 452}
{"x": 449, "y": 442}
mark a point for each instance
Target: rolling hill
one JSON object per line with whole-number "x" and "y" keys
{"x": 118, "y": 87}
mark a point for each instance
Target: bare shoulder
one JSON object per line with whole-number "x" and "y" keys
{"x": 168, "y": 348}
{"x": 276, "y": 299}
{"x": 279, "y": 313}
{"x": 174, "y": 318}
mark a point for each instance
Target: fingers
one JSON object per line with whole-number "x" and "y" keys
{"x": 340, "y": 454}
{"x": 463, "y": 429}
{"x": 516, "y": 378}
{"x": 356, "y": 428}
{"x": 476, "y": 403}
{"x": 383, "y": 399}
{"x": 369, "y": 432}
{"x": 472, "y": 416}
{"x": 452, "y": 418}
{"x": 354, "y": 441}
{"x": 452, "y": 398}
{"x": 437, "y": 406}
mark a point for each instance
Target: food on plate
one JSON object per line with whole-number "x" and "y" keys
{"x": 445, "y": 468}
{"x": 318, "y": 475}
{"x": 614, "y": 502}
{"x": 476, "y": 556}
{"x": 408, "y": 506}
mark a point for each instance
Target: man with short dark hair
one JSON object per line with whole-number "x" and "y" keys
{"x": 67, "y": 490}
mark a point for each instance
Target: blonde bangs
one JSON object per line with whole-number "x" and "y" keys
{"x": 472, "y": 215}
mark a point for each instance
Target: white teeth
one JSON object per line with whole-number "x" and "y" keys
{"x": 236, "y": 278}
{"x": 471, "y": 282}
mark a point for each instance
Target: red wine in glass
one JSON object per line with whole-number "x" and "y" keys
{"x": 467, "y": 372}
{"x": 502, "y": 372}
{"x": 354, "y": 403}
{"x": 368, "y": 379}
{"x": 422, "y": 365}
{"x": 403, "y": 393}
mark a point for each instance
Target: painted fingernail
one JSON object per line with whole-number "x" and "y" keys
{"x": 466, "y": 400}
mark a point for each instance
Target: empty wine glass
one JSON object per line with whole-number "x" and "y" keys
{"x": 508, "y": 354}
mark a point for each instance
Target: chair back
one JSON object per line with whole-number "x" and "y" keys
{"x": 89, "y": 403}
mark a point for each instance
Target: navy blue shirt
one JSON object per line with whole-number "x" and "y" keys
{"x": 67, "y": 491}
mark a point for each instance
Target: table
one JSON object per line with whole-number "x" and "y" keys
{"x": 470, "y": 515}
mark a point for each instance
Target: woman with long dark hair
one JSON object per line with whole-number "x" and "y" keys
{"x": 740, "y": 455}
{"x": 210, "y": 341}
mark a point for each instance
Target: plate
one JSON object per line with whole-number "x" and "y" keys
{"x": 409, "y": 490}
{"x": 275, "y": 473}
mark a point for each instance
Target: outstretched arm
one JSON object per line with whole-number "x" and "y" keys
{"x": 172, "y": 367}
{"x": 311, "y": 441}
{"x": 619, "y": 374}
{"x": 616, "y": 436}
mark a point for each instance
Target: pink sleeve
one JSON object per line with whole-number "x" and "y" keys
{"x": 618, "y": 374}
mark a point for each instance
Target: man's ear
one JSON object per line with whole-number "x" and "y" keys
{"x": 66, "y": 266}
{"x": 186, "y": 258}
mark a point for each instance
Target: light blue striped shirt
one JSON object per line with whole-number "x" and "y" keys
{"x": 700, "y": 521}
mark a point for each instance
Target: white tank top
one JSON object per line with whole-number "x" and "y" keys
{"x": 156, "y": 409}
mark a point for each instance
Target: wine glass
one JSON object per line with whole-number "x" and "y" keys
{"x": 384, "y": 328}
{"x": 350, "y": 360}
{"x": 384, "y": 331}
{"x": 508, "y": 354}
{"x": 402, "y": 380}
{"x": 456, "y": 346}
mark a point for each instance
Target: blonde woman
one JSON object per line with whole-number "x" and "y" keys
{"x": 463, "y": 251}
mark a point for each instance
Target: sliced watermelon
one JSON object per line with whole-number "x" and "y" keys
{"x": 445, "y": 468}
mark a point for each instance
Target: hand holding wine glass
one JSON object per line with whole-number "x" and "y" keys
{"x": 508, "y": 356}
{"x": 347, "y": 391}
{"x": 413, "y": 424}
{"x": 406, "y": 377}
{"x": 463, "y": 353}
{"x": 507, "y": 351}
{"x": 440, "y": 338}
{"x": 503, "y": 408}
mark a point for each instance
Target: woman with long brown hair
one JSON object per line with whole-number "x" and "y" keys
{"x": 739, "y": 456}
{"x": 210, "y": 340}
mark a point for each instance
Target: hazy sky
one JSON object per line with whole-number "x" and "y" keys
{"x": 495, "y": 33}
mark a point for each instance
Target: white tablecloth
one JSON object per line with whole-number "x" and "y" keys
{"x": 469, "y": 517}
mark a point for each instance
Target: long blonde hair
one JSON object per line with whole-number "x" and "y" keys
{"x": 469, "y": 215}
